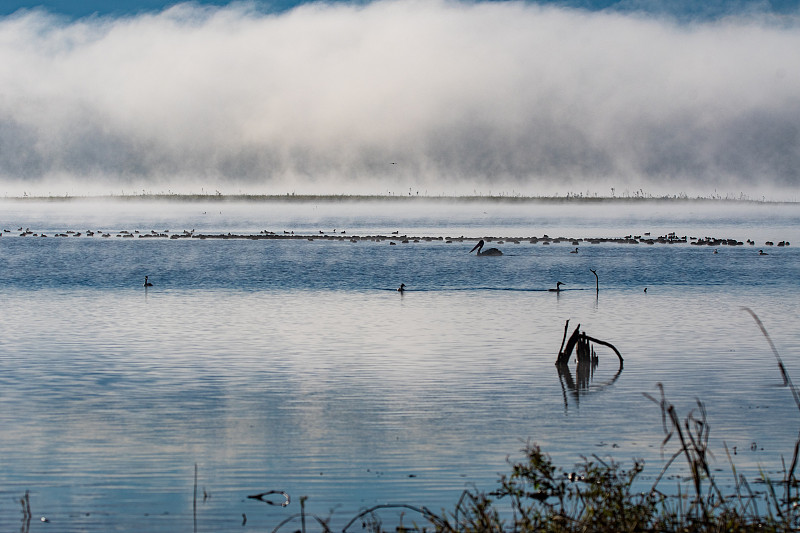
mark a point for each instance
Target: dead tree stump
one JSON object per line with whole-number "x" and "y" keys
{"x": 581, "y": 344}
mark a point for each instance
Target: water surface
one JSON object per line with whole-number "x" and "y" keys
{"x": 294, "y": 364}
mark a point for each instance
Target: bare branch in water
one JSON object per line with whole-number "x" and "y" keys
{"x": 262, "y": 497}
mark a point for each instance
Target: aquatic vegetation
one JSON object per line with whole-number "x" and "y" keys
{"x": 600, "y": 496}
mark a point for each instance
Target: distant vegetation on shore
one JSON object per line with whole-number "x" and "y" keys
{"x": 511, "y": 199}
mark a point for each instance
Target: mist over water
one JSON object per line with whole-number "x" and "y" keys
{"x": 398, "y": 97}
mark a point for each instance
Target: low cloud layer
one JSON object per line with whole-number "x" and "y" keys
{"x": 435, "y": 96}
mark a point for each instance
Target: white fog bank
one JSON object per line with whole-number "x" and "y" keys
{"x": 402, "y": 96}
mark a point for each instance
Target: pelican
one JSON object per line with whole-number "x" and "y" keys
{"x": 147, "y": 283}
{"x": 490, "y": 251}
{"x": 401, "y": 288}
{"x": 558, "y": 287}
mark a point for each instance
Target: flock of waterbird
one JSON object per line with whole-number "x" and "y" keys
{"x": 395, "y": 237}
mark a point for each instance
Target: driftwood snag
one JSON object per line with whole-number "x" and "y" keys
{"x": 581, "y": 343}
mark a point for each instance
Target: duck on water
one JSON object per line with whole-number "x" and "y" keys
{"x": 487, "y": 252}
{"x": 558, "y": 287}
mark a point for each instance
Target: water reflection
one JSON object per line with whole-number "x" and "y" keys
{"x": 582, "y": 382}
{"x": 26, "y": 513}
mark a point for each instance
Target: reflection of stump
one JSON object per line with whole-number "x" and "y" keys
{"x": 584, "y": 351}
{"x": 584, "y": 374}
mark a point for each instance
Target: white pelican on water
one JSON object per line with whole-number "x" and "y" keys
{"x": 490, "y": 251}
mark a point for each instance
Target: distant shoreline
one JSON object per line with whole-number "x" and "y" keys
{"x": 335, "y": 198}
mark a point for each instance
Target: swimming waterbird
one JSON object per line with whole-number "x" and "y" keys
{"x": 490, "y": 251}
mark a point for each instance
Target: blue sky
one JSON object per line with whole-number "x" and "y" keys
{"x": 679, "y": 8}
{"x": 446, "y": 96}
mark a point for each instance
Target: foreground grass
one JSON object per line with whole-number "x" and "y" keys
{"x": 599, "y": 495}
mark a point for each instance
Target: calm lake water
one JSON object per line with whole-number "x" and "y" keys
{"x": 295, "y": 365}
